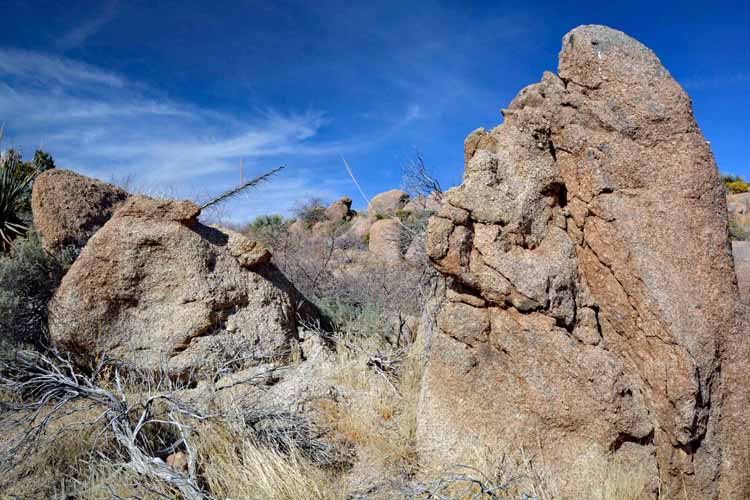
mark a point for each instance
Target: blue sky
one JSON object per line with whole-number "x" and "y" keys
{"x": 169, "y": 97}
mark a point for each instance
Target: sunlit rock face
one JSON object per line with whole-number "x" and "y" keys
{"x": 592, "y": 316}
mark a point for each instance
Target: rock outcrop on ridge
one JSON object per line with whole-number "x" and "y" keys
{"x": 592, "y": 316}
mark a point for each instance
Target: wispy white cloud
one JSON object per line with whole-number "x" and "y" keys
{"x": 104, "y": 125}
{"x": 36, "y": 68}
{"x": 78, "y": 35}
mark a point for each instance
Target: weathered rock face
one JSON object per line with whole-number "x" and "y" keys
{"x": 592, "y": 314}
{"x": 340, "y": 209}
{"x": 385, "y": 239}
{"x": 360, "y": 226}
{"x": 68, "y": 208}
{"x": 156, "y": 287}
{"x": 387, "y": 203}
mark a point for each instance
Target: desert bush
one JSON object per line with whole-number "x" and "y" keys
{"x": 29, "y": 276}
{"x": 310, "y": 212}
{"x": 735, "y": 184}
{"x": 414, "y": 228}
{"x": 20, "y": 169}
{"x": 266, "y": 229}
{"x": 266, "y": 221}
{"x": 736, "y": 232}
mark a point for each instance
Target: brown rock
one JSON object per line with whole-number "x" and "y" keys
{"x": 590, "y": 228}
{"x": 249, "y": 253}
{"x": 416, "y": 252}
{"x": 155, "y": 287}
{"x": 68, "y": 208}
{"x": 340, "y": 210}
{"x": 360, "y": 226}
{"x": 297, "y": 227}
{"x": 422, "y": 204}
{"x": 385, "y": 239}
{"x": 323, "y": 228}
{"x": 387, "y": 203}
{"x": 178, "y": 461}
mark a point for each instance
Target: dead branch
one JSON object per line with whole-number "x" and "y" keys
{"x": 418, "y": 181}
{"x": 46, "y": 387}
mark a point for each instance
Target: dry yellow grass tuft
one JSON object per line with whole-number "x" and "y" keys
{"x": 235, "y": 466}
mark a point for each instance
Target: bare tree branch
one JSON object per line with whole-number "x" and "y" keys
{"x": 47, "y": 387}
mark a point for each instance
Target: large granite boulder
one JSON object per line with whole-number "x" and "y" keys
{"x": 340, "y": 210}
{"x": 387, "y": 203}
{"x": 157, "y": 288}
{"x": 592, "y": 316}
{"x": 385, "y": 239}
{"x": 68, "y": 208}
{"x": 360, "y": 226}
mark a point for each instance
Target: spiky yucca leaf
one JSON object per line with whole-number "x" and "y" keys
{"x": 242, "y": 187}
{"x": 14, "y": 184}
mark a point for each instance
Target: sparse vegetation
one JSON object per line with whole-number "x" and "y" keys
{"x": 418, "y": 180}
{"x": 310, "y": 212}
{"x": 266, "y": 229}
{"x": 734, "y": 184}
{"x": 736, "y": 232}
{"x": 28, "y": 277}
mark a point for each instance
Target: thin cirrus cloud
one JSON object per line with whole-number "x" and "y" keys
{"x": 37, "y": 69}
{"x": 104, "y": 125}
{"x": 78, "y": 35}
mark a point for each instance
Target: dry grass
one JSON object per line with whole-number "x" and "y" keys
{"x": 50, "y": 469}
{"x": 625, "y": 483}
{"x": 376, "y": 417}
{"x": 235, "y": 466}
{"x": 106, "y": 481}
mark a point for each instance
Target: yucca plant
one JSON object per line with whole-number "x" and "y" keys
{"x": 15, "y": 184}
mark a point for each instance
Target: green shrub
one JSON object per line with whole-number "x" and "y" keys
{"x": 267, "y": 229}
{"x": 402, "y": 214}
{"x": 735, "y": 184}
{"x": 28, "y": 278}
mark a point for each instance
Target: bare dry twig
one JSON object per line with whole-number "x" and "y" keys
{"x": 48, "y": 385}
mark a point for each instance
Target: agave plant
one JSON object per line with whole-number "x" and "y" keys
{"x": 14, "y": 187}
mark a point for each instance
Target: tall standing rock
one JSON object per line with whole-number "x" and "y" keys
{"x": 593, "y": 314}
